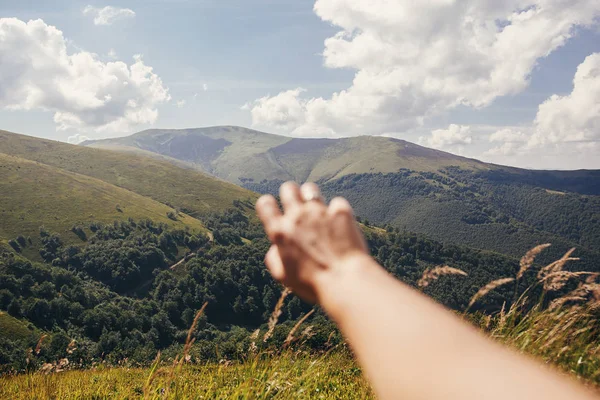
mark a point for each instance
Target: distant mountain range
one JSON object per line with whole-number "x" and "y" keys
{"x": 389, "y": 181}
{"x": 242, "y": 155}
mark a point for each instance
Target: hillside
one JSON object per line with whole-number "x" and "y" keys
{"x": 188, "y": 189}
{"x": 242, "y": 155}
{"x": 389, "y": 181}
{"x": 36, "y": 195}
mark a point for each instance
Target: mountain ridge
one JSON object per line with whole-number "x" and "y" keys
{"x": 237, "y": 154}
{"x": 390, "y": 181}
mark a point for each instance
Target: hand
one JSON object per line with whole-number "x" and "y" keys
{"x": 310, "y": 240}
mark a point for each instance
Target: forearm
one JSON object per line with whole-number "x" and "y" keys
{"x": 412, "y": 348}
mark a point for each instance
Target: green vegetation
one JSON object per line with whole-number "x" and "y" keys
{"x": 133, "y": 288}
{"x": 35, "y": 195}
{"x": 446, "y": 197}
{"x": 242, "y": 155}
{"x": 301, "y": 376}
{"x": 567, "y": 336}
{"x": 189, "y": 190}
{"x": 469, "y": 208}
{"x": 105, "y": 258}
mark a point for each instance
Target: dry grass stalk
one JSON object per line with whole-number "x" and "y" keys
{"x": 432, "y": 274}
{"x": 529, "y": 258}
{"x": 557, "y": 280}
{"x": 38, "y": 346}
{"x": 253, "y": 349}
{"x": 290, "y": 336}
{"x": 557, "y": 265}
{"x": 592, "y": 277}
{"x": 71, "y": 347}
{"x": 555, "y": 304}
{"x": 502, "y": 320}
{"x": 308, "y": 332}
{"x": 276, "y": 314}
{"x": 488, "y": 288}
{"x": 189, "y": 341}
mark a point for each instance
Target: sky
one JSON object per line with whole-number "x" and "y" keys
{"x": 515, "y": 82}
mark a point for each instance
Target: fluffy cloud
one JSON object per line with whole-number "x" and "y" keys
{"x": 108, "y": 15}
{"x": 576, "y": 117}
{"x": 415, "y": 59}
{"x": 563, "y": 123}
{"x": 37, "y": 72}
{"x": 454, "y": 138}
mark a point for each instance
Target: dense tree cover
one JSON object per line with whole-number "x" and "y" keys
{"x": 503, "y": 211}
{"x": 122, "y": 294}
{"x": 465, "y": 208}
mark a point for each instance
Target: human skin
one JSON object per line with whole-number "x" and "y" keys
{"x": 409, "y": 346}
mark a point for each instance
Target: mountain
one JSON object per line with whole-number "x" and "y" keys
{"x": 65, "y": 187}
{"x": 170, "y": 183}
{"x": 35, "y": 195}
{"x": 117, "y": 268}
{"x": 389, "y": 181}
{"x": 242, "y": 155}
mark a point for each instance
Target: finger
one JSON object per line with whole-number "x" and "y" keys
{"x": 343, "y": 223}
{"x": 340, "y": 205}
{"x": 290, "y": 196}
{"x": 310, "y": 192}
{"x": 275, "y": 264}
{"x": 268, "y": 211}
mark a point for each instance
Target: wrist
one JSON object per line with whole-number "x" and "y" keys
{"x": 337, "y": 288}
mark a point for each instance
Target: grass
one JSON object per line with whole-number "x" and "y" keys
{"x": 562, "y": 331}
{"x": 35, "y": 195}
{"x": 166, "y": 183}
{"x": 286, "y": 376}
{"x": 16, "y": 329}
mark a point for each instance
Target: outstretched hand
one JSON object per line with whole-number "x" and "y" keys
{"x": 310, "y": 239}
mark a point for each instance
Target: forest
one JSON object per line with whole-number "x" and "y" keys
{"x": 132, "y": 288}
{"x": 492, "y": 210}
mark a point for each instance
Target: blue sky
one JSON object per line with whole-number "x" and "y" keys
{"x": 214, "y": 57}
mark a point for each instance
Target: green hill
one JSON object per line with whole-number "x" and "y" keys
{"x": 188, "y": 189}
{"x": 390, "y": 181}
{"x": 36, "y": 195}
{"x": 242, "y": 155}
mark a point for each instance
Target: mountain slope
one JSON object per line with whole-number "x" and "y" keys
{"x": 188, "y": 189}
{"x": 389, "y": 181}
{"x": 36, "y": 195}
{"x": 242, "y": 155}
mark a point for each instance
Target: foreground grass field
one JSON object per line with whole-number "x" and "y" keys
{"x": 284, "y": 376}
{"x": 566, "y": 338}
{"x": 562, "y": 331}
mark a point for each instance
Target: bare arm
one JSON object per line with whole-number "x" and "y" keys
{"x": 409, "y": 346}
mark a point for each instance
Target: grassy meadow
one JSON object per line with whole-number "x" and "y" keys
{"x": 188, "y": 189}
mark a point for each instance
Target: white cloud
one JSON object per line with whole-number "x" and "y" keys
{"x": 37, "y": 72}
{"x": 108, "y": 15}
{"x": 563, "y": 124}
{"x": 415, "y": 59}
{"x": 180, "y": 103}
{"x": 508, "y": 135}
{"x": 575, "y": 117}
{"x": 77, "y": 138}
{"x": 112, "y": 54}
{"x": 286, "y": 110}
{"x": 452, "y": 139}
{"x": 205, "y": 87}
